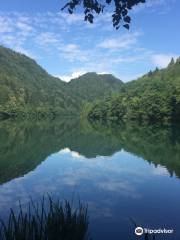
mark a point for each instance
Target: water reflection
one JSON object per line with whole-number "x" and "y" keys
{"x": 120, "y": 171}
{"x": 24, "y": 145}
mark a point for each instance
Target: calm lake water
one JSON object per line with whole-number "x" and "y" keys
{"x": 123, "y": 172}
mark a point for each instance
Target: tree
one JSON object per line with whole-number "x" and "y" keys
{"x": 120, "y": 14}
{"x": 171, "y": 62}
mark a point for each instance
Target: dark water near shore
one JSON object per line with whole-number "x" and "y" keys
{"x": 122, "y": 172}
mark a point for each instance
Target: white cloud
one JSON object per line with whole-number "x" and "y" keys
{"x": 24, "y": 27}
{"x": 47, "y": 38}
{"x": 162, "y": 60}
{"x": 5, "y": 25}
{"x": 102, "y": 73}
{"x": 72, "y": 153}
{"x": 76, "y": 154}
{"x": 15, "y": 31}
{"x": 75, "y": 47}
{"x": 72, "y": 53}
{"x": 161, "y": 171}
{"x": 158, "y": 6}
{"x": 123, "y": 42}
{"x": 76, "y": 74}
{"x": 71, "y": 18}
{"x": 129, "y": 59}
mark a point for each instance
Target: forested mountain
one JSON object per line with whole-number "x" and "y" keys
{"x": 26, "y": 88}
{"x": 91, "y": 85}
{"x": 153, "y": 97}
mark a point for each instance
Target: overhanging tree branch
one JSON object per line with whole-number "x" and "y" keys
{"x": 120, "y": 14}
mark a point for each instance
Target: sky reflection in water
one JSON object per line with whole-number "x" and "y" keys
{"x": 116, "y": 187}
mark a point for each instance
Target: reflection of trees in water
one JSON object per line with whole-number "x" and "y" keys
{"x": 154, "y": 143}
{"x": 24, "y": 145}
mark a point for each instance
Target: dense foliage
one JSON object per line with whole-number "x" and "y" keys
{"x": 25, "y": 88}
{"x": 28, "y": 90}
{"x": 91, "y": 86}
{"x": 154, "y": 97}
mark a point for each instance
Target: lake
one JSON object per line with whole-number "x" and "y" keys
{"x": 125, "y": 173}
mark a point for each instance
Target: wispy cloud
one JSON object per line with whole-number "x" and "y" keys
{"x": 72, "y": 18}
{"x": 156, "y": 6}
{"x": 15, "y": 30}
{"x": 72, "y": 52}
{"x": 162, "y": 60}
{"x": 69, "y": 47}
{"x": 5, "y": 25}
{"x": 45, "y": 39}
{"x": 123, "y": 42}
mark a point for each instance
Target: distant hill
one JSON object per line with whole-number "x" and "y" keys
{"x": 92, "y": 85}
{"x": 26, "y": 88}
{"x": 153, "y": 97}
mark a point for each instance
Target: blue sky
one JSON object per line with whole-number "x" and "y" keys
{"x": 66, "y": 46}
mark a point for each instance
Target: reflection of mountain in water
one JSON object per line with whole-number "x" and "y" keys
{"x": 24, "y": 145}
{"x": 153, "y": 143}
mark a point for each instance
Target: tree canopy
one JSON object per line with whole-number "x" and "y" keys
{"x": 28, "y": 90}
{"x": 120, "y": 9}
{"x": 155, "y": 97}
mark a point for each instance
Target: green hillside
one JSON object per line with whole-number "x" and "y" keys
{"x": 92, "y": 85}
{"x": 27, "y": 89}
{"x": 154, "y": 97}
